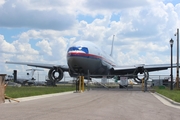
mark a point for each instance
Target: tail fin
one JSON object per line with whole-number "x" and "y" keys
{"x": 32, "y": 71}
{"x": 112, "y": 46}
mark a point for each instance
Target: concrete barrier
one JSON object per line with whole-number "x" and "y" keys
{"x": 2, "y": 88}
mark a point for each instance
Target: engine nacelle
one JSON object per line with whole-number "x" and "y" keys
{"x": 55, "y": 74}
{"x": 144, "y": 73}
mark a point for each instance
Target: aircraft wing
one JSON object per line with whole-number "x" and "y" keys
{"x": 41, "y": 65}
{"x": 130, "y": 69}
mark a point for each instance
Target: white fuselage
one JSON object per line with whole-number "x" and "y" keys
{"x": 85, "y": 56}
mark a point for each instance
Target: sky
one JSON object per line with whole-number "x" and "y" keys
{"x": 41, "y": 31}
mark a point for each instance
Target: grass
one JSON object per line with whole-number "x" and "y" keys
{"x": 25, "y": 91}
{"x": 172, "y": 94}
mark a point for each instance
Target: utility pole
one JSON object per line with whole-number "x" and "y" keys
{"x": 177, "y": 77}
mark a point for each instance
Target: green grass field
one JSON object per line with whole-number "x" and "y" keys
{"x": 172, "y": 94}
{"x": 25, "y": 91}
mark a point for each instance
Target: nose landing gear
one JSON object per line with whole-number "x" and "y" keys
{"x": 80, "y": 84}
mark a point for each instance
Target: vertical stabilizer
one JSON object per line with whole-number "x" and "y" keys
{"x": 32, "y": 71}
{"x": 111, "y": 54}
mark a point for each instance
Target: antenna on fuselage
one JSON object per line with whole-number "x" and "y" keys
{"x": 112, "y": 46}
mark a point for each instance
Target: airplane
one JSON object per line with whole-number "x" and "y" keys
{"x": 28, "y": 79}
{"x": 89, "y": 60}
{"x": 31, "y": 79}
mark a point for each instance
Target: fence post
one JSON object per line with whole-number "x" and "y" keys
{"x": 2, "y": 88}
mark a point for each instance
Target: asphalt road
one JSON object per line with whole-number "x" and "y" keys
{"x": 99, "y": 104}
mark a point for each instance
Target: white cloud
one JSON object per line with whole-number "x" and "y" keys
{"x": 44, "y": 45}
{"x": 142, "y": 29}
{"x": 5, "y": 46}
{"x": 2, "y": 2}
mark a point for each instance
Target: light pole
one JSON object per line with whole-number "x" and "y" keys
{"x": 171, "y": 44}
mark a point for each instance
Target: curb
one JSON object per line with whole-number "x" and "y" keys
{"x": 169, "y": 100}
{"x": 22, "y": 99}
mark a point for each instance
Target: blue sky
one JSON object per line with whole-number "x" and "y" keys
{"x": 41, "y": 31}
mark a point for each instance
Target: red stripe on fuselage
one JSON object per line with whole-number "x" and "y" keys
{"x": 78, "y": 54}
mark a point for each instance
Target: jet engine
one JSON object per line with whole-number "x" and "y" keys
{"x": 55, "y": 74}
{"x": 140, "y": 73}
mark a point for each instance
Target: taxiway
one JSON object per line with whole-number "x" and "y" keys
{"x": 99, "y": 104}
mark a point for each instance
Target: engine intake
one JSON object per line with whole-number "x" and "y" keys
{"x": 143, "y": 71}
{"x": 55, "y": 74}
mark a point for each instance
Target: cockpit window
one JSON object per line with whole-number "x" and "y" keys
{"x": 83, "y": 49}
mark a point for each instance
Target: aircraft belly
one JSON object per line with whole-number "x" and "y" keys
{"x": 86, "y": 64}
